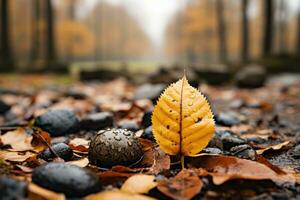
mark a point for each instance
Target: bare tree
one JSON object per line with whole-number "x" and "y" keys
{"x": 268, "y": 27}
{"x": 283, "y": 26}
{"x": 221, "y": 30}
{"x": 35, "y": 36}
{"x": 245, "y": 31}
{"x": 6, "y": 60}
{"x": 298, "y": 33}
{"x": 50, "y": 41}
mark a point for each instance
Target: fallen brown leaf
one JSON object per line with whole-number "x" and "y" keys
{"x": 161, "y": 161}
{"x": 16, "y": 156}
{"x": 41, "y": 140}
{"x": 139, "y": 184}
{"x": 224, "y": 168}
{"x": 18, "y": 139}
{"x": 275, "y": 147}
{"x": 80, "y": 163}
{"x": 79, "y": 144}
{"x": 36, "y": 192}
{"x": 183, "y": 186}
{"x": 117, "y": 195}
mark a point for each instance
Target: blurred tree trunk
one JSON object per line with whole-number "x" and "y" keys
{"x": 50, "y": 41}
{"x": 245, "y": 31}
{"x": 6, "y": 60}
{"x": 221, "y": 30}
{"x": 298, "y": 33}
{"x": 268, "y": 27}
{"x": 282, "y": 27}
{"x": 35, "y": 36}
{"x": 71, "y": 14}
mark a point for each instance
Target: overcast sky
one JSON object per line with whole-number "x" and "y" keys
{"x": 154, "y": 15}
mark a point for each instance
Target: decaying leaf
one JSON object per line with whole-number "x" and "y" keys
{"x": 182, "y": 120}
{"x": 139, "y": 184}
{"x": 117, "y": 195}
{"x": 274, "y": 147}
{"x": 36, "y": 192}
{"x": 79, "y": 144}
{"x": 183, "y": 186}
{"x": 80, "y": 163}
{"x": 16, "y": 156}
{"x": 18, "y": 139}
{"x": 224, "y": 168}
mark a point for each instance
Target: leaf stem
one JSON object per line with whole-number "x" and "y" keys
{"x": 182, "y": 161}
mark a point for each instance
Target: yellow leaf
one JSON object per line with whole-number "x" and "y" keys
{"x": 182, "y": 120}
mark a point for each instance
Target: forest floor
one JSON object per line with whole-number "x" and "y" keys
{"x": 254, "y": 153}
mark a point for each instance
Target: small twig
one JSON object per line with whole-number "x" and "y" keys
{"x": 45, "y": 142}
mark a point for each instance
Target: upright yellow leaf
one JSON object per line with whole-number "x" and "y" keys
{"x": 182, "y": 121}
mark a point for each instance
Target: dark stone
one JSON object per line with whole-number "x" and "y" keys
{"x": 148, "y": 134}
{"x": 212, "y": 150}
{"x": 75, "y": 94}
{"x": 58, "y": 122}
{"x": 251, "y": 77}
{"x": 130, "y": 125}
{"x": 296, "y": 152}
{"x": 11, "y": 189}
{"x": 230, "y": 140}
{"x": 4, "y": 107}
{"x": 215, "y": 74}
{"x": 114, "y": 147}
{"x": 97, "y": 121}
{"x": 146, "y": 120}
{"x": 61, "y": 149}
{"x": 172, "y": 74}
{"x": 71, "y": 180}
{"x": 244, "y": 151}
{"x": 227, "y": 119}
{"x": 149, "y": 91}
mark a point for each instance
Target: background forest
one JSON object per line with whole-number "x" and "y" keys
{"x": 50, "y": 34}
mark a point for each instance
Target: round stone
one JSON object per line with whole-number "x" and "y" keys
{"x": 69, "y": 179}
{"x": 61, "y": 149}
{"x": 114, "y": 147}
{"x": 58, "y": 122}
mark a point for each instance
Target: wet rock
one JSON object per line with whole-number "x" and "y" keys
{"x": 130, "y": 125}
{"x": 58, "y": 122}
{"x": 146, "y": 120}
{"x": 11, "y": 189}
{"x": 227, "y": 119}
{"x": 97, "y": 121}
{"x": 251, "y": 77}
{"x": 69, "y": 179}
{"x": 212, "y": 150}
{"x": 296, "y": 152}
{"x": 230, "y": 140}
{"x": 114, "y": 147}
{"x": 149, "y": 91}
{"x": 225, "y": 140}
{"x": 4, "y": 107}
{"x": 215, "y": 74}
{"x": 61, "y": 149}
{"x": 75, "y": 94}
{"x": 244, "y": 151}
{"x": 148, "y": 134}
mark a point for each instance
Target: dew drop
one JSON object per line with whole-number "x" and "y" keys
{"x": 118, "y": 138}
{"x": 126, "y": 133}
{"x": 190, "y": 103}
